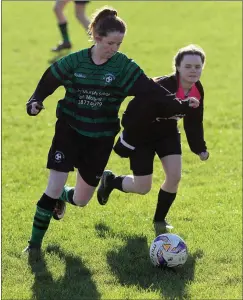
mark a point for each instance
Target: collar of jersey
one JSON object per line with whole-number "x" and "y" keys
{"x": 90, "y": 57}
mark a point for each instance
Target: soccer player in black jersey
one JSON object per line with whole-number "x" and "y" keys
{"x": 154, "y": 131}
{"x": 96, "y": 80}
{"x": 80, "y": 7}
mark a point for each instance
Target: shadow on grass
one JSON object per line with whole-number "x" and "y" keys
{"x": 76, "y": 284}
{"x": 131, "y": 265}
{"x": 58, "y": 55}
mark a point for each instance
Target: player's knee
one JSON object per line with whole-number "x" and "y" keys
{"x": 80, "y": 201}
{"x": 173, "y": 179}
{"x": 143, "y": 189}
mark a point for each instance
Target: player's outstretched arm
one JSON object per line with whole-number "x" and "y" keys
{"x": 157, "y": 93}
{"x": 46, "y": 86}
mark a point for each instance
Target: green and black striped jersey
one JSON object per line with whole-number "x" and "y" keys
{"x": 94, "y": 93}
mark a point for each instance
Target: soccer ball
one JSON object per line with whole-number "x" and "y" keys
{"x": 168, "y": 250}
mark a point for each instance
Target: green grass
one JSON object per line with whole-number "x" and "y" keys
{"x": 102, "y": 252}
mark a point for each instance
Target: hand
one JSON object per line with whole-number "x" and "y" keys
{"x": 34, "y": 108}
{"x": 193, "y": 102}
{"x": 204, "y": 155}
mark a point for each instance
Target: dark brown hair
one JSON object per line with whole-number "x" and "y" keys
{"x": 188, "y": 50}
{"x": 104, "y": 21}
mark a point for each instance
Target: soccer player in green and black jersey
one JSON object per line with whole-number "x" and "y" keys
{"x": 96, "y": 80}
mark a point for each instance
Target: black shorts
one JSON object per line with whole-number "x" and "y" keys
{"x": 142, "y": 158}
{"x": 71, "y": 150}
{"x": 81, "y": 2}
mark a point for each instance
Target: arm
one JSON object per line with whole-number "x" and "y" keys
{"x": 158, "y": 95}
{"x": 56, "y": 75}
{"x": 46, "y": 86}
{"x": 193, "y": 125}
{"x": 135, "y": 83}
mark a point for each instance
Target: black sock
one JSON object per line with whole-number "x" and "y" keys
{"x": 64, "y": 32}
{"x": 47, "y": 202}
{"x": 116, "y": 182}
{"x": 42, "y": 218}
{"x": 164, "y": 203}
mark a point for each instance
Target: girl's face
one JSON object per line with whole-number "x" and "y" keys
{"x": 190, "y": 68}
{"x": 108, "y": 45}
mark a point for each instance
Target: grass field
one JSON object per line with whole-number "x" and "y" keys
{"x": 102, "y": 252}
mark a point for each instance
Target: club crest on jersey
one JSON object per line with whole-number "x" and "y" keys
{"x": 109, "y": 77}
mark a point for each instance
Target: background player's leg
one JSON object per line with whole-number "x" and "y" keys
{"x": 80, "y": 14}
{"x": 62, "y": 25}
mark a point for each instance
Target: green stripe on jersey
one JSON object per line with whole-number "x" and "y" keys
{"x": 94, "y": 134}
{"x": 90, "y": 120}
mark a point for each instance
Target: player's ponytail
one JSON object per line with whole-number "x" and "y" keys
{"x": 104, "y": 13}
{"x": 104, "y": 21}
